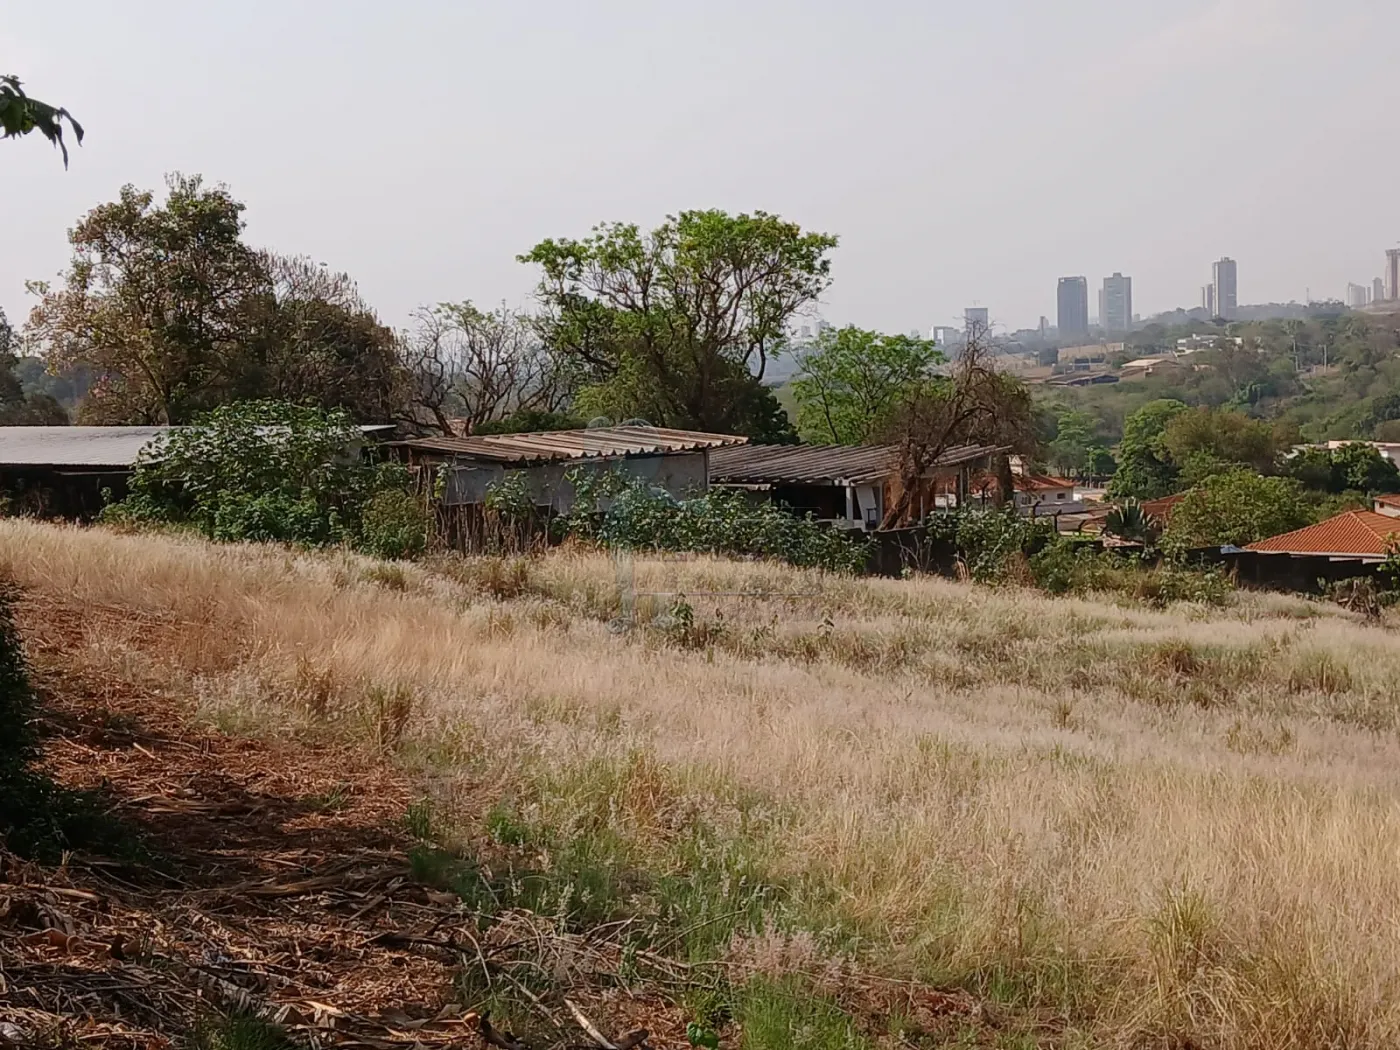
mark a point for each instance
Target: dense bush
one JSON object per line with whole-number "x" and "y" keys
{"x": 266, "y": 470}
{"x": 612, "y": 512}
{"x": 992, "y": 543}
{"x": 1001, "y": 546}
{"x": 1067, "y": 567}
{"x": 1237, "y": 508}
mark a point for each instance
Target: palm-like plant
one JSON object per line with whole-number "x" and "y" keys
{"x": 1128, "y": 521}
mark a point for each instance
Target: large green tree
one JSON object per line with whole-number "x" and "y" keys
{"x": 849, "y": 385}
{"x": 153, "y": 302}
{"x": 1208, "y": 441}
{"x": 20, "y": 114}
{"x": 1236, "y": 507}
{"x": 1145, "y": 470}
{"x": 19, "y": 407}
{"x": 677, "y": 325}
{"x": 171, "y": 313}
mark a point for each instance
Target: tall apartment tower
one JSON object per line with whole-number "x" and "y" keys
{"x": 976, "y": 321}
{"x": 1392, "y": 273}
{"x": 1358, "y": 295}
{"x": 1208, "y": 299}
{"x": 1227, "y": 300}
{"x": 1072, "y": 303}
{"x": 1116, "y": 313}
{"x": 1378, "y": 291}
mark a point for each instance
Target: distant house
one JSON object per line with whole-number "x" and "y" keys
{"x": 1035, "y": 494}
{"x": 63, "y": 471}
{"x": 1149, "y": 366}
{"x": 1350, "y": 544}
{"x": 1077, "y": 379}
{"x": 1388, "y": 449}
{"x": 850, "y": 486}
{"x": 674, "y": 460}
{"x": 1387, "y": 505}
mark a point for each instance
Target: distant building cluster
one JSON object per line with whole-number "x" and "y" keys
{"x": 1384, "y": 289}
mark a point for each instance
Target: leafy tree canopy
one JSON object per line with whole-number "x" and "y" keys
{"x": 172, "y": 313}
{"x": 677, "y": 325}
{"x": 1354, "y": 467}
{"x": 1144, "y": 467}
{"x": 1237, "y": 507}
{"x": 849, "y": 386}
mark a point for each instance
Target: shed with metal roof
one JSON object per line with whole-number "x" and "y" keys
{"x": 848, "y": 485}
{"x": 674, "y": 460}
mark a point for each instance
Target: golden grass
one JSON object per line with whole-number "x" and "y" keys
{"x": 1157, "y": 826}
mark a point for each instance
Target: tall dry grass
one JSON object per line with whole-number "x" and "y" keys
{"x": 1155, "y": 826}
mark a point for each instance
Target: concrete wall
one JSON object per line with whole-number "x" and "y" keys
{"x": 681, "y": 474}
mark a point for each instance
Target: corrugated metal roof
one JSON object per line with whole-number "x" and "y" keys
{"x": 85, "y": 447}
{"x": 1350, "y": 533}
{"x": 547, "y": 446}
{"x": 90, "y": 447}
{"x": 1021, "y": 482}
{"x": 818, "y": 464}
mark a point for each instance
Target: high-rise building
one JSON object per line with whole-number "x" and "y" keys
{"x": 1358, "y": 295}
{"x": 1227, "y": 299}
{"x": 1208, "y": 299}
{"x": 976, "y": 321}
{"x": 1392, "y": 273}
{"x": 1116, "y": 311}
{"x": 1072, "y": 301}
{"x": 1377, "y": 291}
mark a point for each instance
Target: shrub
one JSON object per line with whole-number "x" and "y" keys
{"x": 992, "y": 542}
{"x": 637, "y": 516}
{"x": 1068, "y": 567}
{"x": 270, "y": 471}
{"x": 394, "y": 525}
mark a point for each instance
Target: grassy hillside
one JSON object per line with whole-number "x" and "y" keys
{"x": 867, "y": 812}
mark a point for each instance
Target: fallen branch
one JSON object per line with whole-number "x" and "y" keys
{"x": 587, "y": 1026}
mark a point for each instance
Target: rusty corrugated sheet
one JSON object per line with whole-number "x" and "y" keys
{"x": 821, "y": 464}
{"x": 549, "y": 446}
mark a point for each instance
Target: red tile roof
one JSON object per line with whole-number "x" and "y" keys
{"x": 1161, "y": 508}
{"x": 1352, "y": 532}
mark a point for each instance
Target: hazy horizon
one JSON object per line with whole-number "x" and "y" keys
{"x": 965, "y": 154}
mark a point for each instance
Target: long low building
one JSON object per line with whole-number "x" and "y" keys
{"x": 65, "y": 471}
{"x": 851, "y": 486}
{"x": 677, "y": 461}
{"x": 71, "y": 472}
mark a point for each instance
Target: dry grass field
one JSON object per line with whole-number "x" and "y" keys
{"x": 1103, "y": 825}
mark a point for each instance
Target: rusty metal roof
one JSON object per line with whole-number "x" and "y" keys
{"x": 822, "y": 464}
{"x": 554, "y": 445}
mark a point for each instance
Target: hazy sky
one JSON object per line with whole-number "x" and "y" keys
{"x": 966, "y": 152}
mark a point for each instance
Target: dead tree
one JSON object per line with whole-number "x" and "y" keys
{"x": 973, "y": 404}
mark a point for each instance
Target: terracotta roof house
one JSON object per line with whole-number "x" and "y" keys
{"x": 1387, "y": 505}
{"x": 1353, "y": 535}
